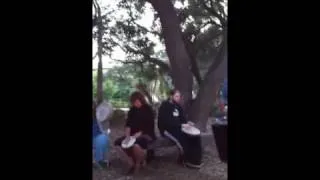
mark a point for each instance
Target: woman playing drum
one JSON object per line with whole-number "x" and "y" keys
{"x": 139, "y": 125}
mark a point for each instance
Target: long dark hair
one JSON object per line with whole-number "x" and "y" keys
{"x": 138, "y": 96}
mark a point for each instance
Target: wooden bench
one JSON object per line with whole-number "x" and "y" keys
{"x": 161, "y": 142}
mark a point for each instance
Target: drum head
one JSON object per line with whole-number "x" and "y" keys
{"x": 128, "y": 142}
{"x": 103, "y": 111}
{"x": 191, "y": 130}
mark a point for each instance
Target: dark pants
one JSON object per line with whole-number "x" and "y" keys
{"x": 141, "y": 141}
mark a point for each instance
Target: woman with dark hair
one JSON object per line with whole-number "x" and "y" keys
{"x": 171, "y": 119}
{"x": 140, "y": 124}
{"x": 100, "y": 140}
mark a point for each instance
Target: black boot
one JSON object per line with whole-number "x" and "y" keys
{"x": 150, "y": 155}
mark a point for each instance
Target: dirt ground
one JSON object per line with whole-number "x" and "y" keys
{"x": 164, "y": 166}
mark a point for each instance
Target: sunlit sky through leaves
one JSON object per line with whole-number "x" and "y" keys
{"x": 145, "y": 21}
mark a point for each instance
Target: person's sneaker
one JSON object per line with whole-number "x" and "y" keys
{"x": 103, "y": 164}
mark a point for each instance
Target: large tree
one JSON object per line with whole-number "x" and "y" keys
{"x": 181, "y": 59}
{"x": 195, "y": 43}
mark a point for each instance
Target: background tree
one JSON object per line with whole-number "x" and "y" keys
{"x": 99, "y": 31}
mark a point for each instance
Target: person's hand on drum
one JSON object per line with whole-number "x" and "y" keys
{"x": 190, "y": 123}
{"x": 185, "y": 125}
{"x": 136, "y": 135}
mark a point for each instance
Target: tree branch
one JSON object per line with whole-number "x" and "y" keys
{"x": 132, "y": 20}
{"x": 95, "y": 56}
{"x": 164, "y": 66}
{"x": 127, "y": 61}
{"x": 202, "y": 40}
{"x": 192, "y": 54}
{"x": 221, "y": 9}
{"x": 147, "y": 58}
{"x": 182, "y": 15}
{"x": 219, "y": 57}
{"x": 213, "y": 22}
{"x": 192, "y": 49}
{"x": 213, "y": 12}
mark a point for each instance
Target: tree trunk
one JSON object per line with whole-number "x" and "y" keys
{"x": 200, "y": 109}
{"x": 100, "y": 46}
{"x": 178, "y": 56}
{"x": 100, "y": 83}
{"x": 143, "y": 89}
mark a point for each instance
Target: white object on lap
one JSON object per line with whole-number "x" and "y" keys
{"x": 191, "y": 130}
{"x": 128, "y": 142}
{"x": 103, "y": 111}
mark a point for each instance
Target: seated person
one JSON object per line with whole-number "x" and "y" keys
{"x": 100, "y": 141}
{"x": 171, "y": 118}
{"x": 140, "y": 124}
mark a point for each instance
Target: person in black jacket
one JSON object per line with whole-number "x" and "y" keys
{"x": 171, "y": 118}
{"x": 140, "y": 124}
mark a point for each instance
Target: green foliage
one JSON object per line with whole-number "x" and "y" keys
{"x": 109, "y": 89}
{"x": 113, "y": 91}
{"x": 120, "y": 82}
{"x": 94, "y": 84}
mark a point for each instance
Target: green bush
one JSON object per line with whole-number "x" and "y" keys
{"x": 118, "y": 103}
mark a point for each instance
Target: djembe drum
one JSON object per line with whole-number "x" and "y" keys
{"x": 193, "y": 137}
